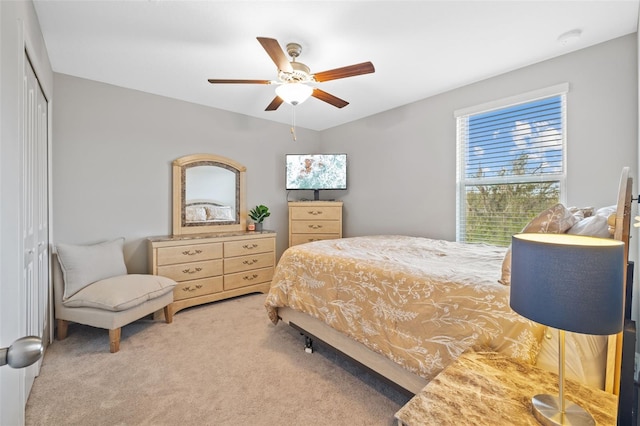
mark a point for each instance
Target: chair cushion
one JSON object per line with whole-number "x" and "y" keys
{"x": 85, "y": 264}
{"x": 121, "y": 293}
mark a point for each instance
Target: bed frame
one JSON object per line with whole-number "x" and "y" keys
{"x": 410, "y": 383}
{"x": 621, "y": 233}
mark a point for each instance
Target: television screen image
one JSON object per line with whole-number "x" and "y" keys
{"x": 316, "y": 171}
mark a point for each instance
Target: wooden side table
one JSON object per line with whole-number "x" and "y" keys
{"x": 487, "y": 388}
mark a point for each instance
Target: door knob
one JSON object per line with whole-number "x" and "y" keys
{"x": 22, "y": 353}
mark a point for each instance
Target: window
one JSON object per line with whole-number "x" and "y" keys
{"x": 511, "y": 164}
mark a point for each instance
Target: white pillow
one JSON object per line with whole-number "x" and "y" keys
{"x": 586, "y": 356}
{"x": 195, "y": 214}
{"x": 85, "y": 264}
{"x": 607, "y": 211}
{"x": 594, "y": 226}
{"x": 219, "y": 213}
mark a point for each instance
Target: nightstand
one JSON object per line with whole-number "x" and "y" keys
{"x": 487, "y": 388}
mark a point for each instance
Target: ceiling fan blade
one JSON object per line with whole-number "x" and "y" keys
{"x": 276, "y": 53}
{"x": 350, "y": 71}
{"x": 231, "y": 81}
{"x": 329, "y": 98}
{"x": 275, "y": 103}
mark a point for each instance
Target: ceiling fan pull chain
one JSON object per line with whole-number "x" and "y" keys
{"x": 293, "y": 123}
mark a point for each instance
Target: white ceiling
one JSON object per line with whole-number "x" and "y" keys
{"x": 419, "y": 48}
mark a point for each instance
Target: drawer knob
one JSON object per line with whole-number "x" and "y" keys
{"x": 250, "y": 246}
{"x": 250, "y": 261}
{"x": 250, "y": 277}
{"x": 315, "y": 212}
{"x": 191, "y": 253}
{"x": 315, "y": 226}
{"x": 189, "y": 271}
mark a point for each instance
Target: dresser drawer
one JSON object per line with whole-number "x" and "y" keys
{"x": 315, "y": 212}
{"x": 192, "y": 253}
{"x": 244, "y": 247}
{"x": 308, "y": 238}
{"x": 246, "y": 278}
{"x": 192, "y": 271}
{"x": 315, "y": 227}
{"x": 245, "y": 263}
{"x": 193, "y": 288}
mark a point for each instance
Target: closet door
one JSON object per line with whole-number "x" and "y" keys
{"x": 35, "y": 222}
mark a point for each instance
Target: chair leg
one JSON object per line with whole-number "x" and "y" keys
{"x": 168, "y": 313}
{"x": 63, "y": 327}
{"x": 114, "y": 340}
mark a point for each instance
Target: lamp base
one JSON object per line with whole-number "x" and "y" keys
{"x": 547, "y": 409}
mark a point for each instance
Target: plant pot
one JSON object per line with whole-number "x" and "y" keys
{"x": 259, "y": 227}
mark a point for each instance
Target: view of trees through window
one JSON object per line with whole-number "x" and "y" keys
{"x": 513, "y": 168}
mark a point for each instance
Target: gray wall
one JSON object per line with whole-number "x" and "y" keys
{"x": 403, "y": 161}
{"x": 112, "y": 161}
{"x": 114, "y": 146}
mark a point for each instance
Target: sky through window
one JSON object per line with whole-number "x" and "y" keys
{"x": 498, "y": 140}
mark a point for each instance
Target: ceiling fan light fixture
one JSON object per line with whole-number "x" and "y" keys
{"x": 294, "y": 93}
{"x": 295, "y": 83}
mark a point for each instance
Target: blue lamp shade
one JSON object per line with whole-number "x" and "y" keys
{"x": 568, "y": 282}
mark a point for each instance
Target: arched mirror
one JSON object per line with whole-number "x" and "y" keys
{"x": 208, "y": 195}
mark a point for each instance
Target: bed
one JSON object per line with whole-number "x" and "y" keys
{"x": 405, "y": 307}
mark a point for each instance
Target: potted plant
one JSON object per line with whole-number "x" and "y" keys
{"x": 258, "y": 214}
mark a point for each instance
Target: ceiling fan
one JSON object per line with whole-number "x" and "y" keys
{"x": 293, "y": 77}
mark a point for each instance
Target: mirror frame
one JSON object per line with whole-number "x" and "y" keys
{"x": 180, "y": 166}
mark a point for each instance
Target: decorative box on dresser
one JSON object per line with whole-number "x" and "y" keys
{"x": 314, "y": 220}
{"x": 212, "y": 267}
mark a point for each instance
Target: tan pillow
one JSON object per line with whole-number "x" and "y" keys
{"x": 585, "y": 212}
{"x": 554, "y": 220}
{"x": 505, "y": 278}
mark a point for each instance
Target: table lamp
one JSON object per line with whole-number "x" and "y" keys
{"x": 571, "y": 283}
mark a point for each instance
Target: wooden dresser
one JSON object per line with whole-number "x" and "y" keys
{"x": 314, "y": 220}
{"x": 214, "y": 266}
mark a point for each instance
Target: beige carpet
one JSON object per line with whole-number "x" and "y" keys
{"x": 218, "y": 364}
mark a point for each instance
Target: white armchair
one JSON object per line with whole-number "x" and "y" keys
{"x": 91, "y": 286}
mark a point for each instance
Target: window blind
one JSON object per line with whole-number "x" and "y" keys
{"x": 511, "y": 163}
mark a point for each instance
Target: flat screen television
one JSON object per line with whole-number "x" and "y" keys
{"x": 316, "y": 172}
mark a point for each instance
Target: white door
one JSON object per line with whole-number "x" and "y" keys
{"x": 34, "y": 223}
{"x": 24, "y": 275}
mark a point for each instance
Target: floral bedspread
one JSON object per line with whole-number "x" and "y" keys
{"x": 417, "y": 301}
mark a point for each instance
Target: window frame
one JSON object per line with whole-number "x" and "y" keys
{"x": 462, "y": 116}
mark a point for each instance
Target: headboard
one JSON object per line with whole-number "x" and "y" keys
{"x": 621, "y": 233}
